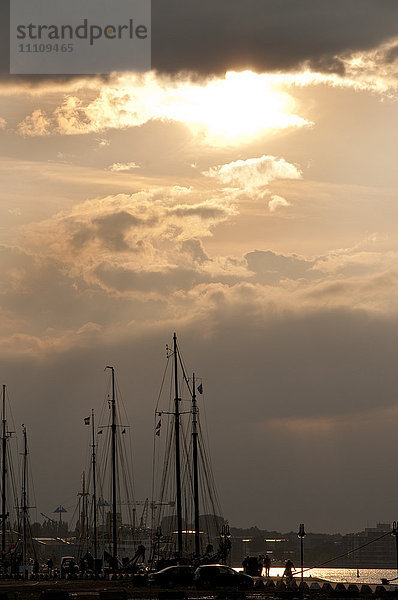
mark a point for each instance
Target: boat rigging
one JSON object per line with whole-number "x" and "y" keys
{"x": 185, "y": 474}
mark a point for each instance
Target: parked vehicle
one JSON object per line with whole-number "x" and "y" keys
{"x": 68, "y": 566}
{"x": 173, "y": 576}
{"x": 213, "y": 576}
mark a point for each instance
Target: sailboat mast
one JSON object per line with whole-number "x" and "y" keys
{"x": 195, "y": 465}
{"x": 94, "y": 463}
{"x": 24, "y": 503}
{"x": 3, "y": 477}
{"x": 113, "y": 452}
{"x": 83, "y": 511}
{"x": 177, "y": 452}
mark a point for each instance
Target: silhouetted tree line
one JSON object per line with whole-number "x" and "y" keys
{"x": 50, "y": 529}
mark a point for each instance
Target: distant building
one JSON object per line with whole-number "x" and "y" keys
{"x": 374, "y": 547}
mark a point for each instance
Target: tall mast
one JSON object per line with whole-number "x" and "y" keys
{"x": 3, "y": 477}
{"x": 195, "y": 465}
{"x": 113, "y": 451}
{"x": 177, "y": 452}
{"x": 24, "y": 503}
{"x": 94, "y": 485}
{"x": 83, "y": 512}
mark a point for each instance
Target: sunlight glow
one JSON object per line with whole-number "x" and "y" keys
{"x": 241, "y": 106}
{"x": 220, "y": 111}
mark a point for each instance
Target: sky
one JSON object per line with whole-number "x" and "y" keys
{"x": 243, "y": 193}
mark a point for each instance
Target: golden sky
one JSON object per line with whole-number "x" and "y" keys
{"x": 254, "y": 212}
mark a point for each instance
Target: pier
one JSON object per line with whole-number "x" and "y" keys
{"x": 123, "y": 587}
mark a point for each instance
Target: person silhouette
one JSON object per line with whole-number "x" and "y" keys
{"x": 267, "y": 564}
{"x": 288, "y": 570}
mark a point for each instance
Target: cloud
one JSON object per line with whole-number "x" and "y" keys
{"x": 118, "y": 167}
{"x": 277, "y": 202}
{"x": 111, "y": 230}
{"x": 254, "y": 173}
{"x": 135, "y": 241}
{"x": 231, "y": 108}
{"x": 208, "y": 107}
{"x": 308, "y": 360}
{"x": 262, "y": 36}
{"x": 35, "y": 124}
{"x": 205, "y": 211}
{"x": 271, "y": 268}
{"x": 374, "y": 69}
{"x": 350, "y": 44}
{"x": 195, "y": 249}
{"x": 151, "y": 247}
{"x": 16, "y": 211}
{"x": 265, "y": 36}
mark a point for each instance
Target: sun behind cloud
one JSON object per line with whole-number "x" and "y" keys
{"x": 237, "y": 107}
{"x": 229, "y": 110}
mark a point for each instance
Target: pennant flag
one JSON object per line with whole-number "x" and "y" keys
{"x": 87, "y": 421}
{"x": 14, "y": 547}
{"x": 124, "y": 431}
{"x": 100, "y": 431}
{"x": 200, "y": 389}
{"x": 157, "y": 428}
{"x": 102, "y": 502}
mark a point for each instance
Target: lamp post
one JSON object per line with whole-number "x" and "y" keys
{"x": 301, "y": 534}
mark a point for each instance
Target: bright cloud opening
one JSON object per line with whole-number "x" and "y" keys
{"x": 243, "y": 105}
{"x": 229, "y": 110}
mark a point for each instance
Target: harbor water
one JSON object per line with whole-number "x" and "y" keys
{"x": 343, "y": 575}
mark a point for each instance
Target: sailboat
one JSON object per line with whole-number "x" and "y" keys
{"x": 185, "y": 520}
{"x": 24, "y": 517}
{"x": 108, "y": 528}
{"x": 16, "y": 539}
{"x": 184, "y": 510}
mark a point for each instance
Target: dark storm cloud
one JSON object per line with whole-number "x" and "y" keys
{"x": 207, "y": 36}
{"x": 212, "y": 37}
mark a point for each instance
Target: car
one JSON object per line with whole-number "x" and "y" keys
{"x": 213, "y": 576}
{"x": 68, "y": 566}
{"x": 173, "y": 576}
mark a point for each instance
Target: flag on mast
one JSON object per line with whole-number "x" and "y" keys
{"x": 157, "y": 428}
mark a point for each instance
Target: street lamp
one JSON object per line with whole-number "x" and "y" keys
{"x": 301, "y": 534}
